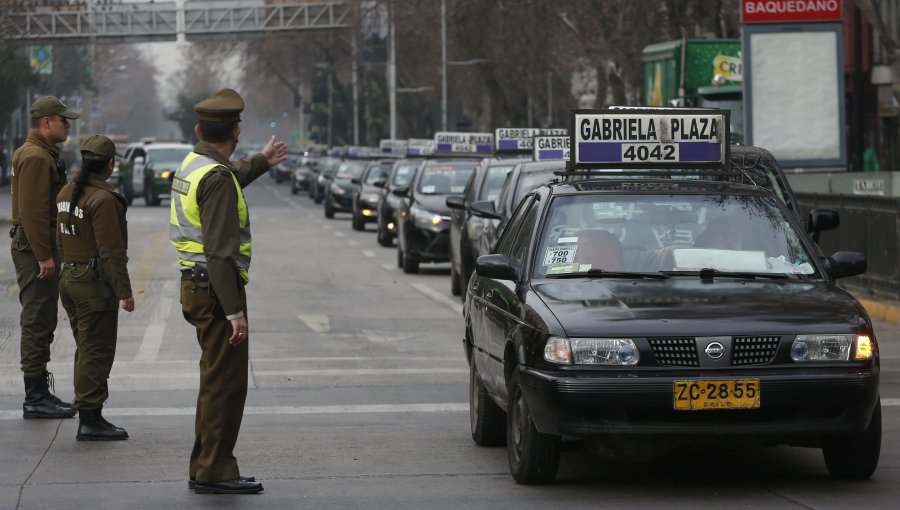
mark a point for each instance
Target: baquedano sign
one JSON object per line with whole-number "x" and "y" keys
{"x": 791, "y": 11}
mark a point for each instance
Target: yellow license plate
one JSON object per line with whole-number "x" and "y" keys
{"x": 712, "y": 394}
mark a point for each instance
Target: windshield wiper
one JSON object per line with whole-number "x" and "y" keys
{"x": 601, "y": 273}
{"x": 709, "y": 273}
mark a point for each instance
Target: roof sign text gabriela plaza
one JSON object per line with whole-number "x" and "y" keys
{"x": 791, "y": 11}
{"x": 649, "y": 137}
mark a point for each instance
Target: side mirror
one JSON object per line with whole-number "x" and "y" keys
{"x": 379, "y": 183}
{"x": 485, "y": 209}
{"x": 400, "y": 192}
{"x": 821, "y": 220}
{"x": 844, "y": 264}
{"x": 496, "y": 266}
{"x": 354, "y": 181}
{"x": 139, "y": 160}
{"x": 456, "y": 202}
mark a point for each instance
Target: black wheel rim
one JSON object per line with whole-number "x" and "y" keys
{"x": 473, "y": 398}
{"x": 517, "y": 420}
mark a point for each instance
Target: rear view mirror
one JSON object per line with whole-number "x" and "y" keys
{"x": 844, "y": 264}
{"x": 456, "y": 202}
{"x": 485, "y": 209}
{"x": 497, "y": 267}
{"x": 821, "y": 220}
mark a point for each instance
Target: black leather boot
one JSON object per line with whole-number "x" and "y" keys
{"x": 93, "y": 427}
{"x": 40, "y": 403}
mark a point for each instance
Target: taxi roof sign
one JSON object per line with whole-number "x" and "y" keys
{"x": 393, "y": 148}
{"x": 362, "y": 152}
{"x": 463, "y": 144}
{"x": 548, "y": 148}
{"x": 521, "y": 139}
{"x": 420, "y": 147}
{"x": 649, "y": 138}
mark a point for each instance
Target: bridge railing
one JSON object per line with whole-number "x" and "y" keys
{"x": 870, "y": 225}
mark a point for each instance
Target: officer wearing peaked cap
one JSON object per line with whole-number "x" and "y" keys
{"x": 93, "y": 243}
{"x": 38, "y": 175}
{"x": 210, "y": 228}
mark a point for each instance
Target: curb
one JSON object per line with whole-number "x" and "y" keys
{"x": 880, "y": 310}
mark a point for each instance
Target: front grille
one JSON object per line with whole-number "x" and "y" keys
{"x": 754, "y": 350}
{"x": 675, "y": 352}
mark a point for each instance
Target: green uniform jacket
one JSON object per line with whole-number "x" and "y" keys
{"x": 36, "y": 181}
{"x": 220, "y": 225}
{"x": 98, "y": 230}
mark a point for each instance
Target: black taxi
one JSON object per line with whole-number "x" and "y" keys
{"x": 617, "y": 309}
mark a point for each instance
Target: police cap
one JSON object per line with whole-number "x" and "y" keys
{"x": 225, "y": 105}
{"x": 98, "y": 148}
{"x": 46, "y": 106}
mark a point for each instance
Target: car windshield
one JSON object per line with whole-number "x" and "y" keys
{"x": 170, "y": 155}
{"x": 350, "y": 170}
{"x": 530, "y": 180}
{"x": 445, "y": 178}
{"x": 672, "y": 234}
{"x": 493, "y": 181}
{"x": 377, "y": 172}
{"x": 403, "y": 175}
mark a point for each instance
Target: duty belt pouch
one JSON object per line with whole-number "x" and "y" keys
{"x": 20, "y": 240}
{"x": 96, "y": 266}
{"x": 201, "y": 279}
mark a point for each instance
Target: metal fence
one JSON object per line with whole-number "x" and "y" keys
{"x": 870, "y": 225}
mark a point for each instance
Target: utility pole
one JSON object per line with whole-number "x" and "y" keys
{"x": 443, "y": 65}
{"x": 353, "y": 72}
{"x": 392, "y": 72}
{"x": 330, "y": 104}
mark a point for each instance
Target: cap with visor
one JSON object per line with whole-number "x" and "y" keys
{"x": 46, "y": 106}
{"x": 98, "y": 148}
{"x": 225, "y": 105}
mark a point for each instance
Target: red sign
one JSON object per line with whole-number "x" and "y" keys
{"x": 791, "y": 11}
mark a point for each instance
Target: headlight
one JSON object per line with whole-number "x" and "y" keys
{"x": 822, "y": 347}
{"x": 591, "y": 351}
{"x": 427, "y": 217}
{"x": 605, "y": 351}
{"x": 165, "y": 174}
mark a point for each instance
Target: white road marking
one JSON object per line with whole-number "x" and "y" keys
{"x": 389, "y": 267}
{"x": 449, "y": 407}
{"x": 338, "y": 234}
{"x": 316, "y": 322}
{"x": 890, "y": 402}
{"x": 456, "y": 306}
{"x": 153, "y": 335}
{"x": 368, "y": 253}
{"x": 359, "y": 371}
{"x": 383, "y": 337}
{"x": 352, "y": 242}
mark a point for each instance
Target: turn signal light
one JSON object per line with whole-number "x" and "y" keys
{"x": 864, "y": 347}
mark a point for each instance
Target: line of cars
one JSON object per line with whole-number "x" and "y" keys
{"x": 648, "y": 290}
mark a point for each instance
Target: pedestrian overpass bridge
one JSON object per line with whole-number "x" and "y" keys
{"x": 98, "y": 21}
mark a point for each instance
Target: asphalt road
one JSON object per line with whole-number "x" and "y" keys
{"x": 358, "y": 397}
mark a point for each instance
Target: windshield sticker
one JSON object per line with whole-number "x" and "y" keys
{"x": 559, "y": 255}
{"x": 428, "y": 189}
{"x": 457, "y": 189}
{"x": 564, "y": 240}
{"x": 781, "y": 265}
{"x": 568, "y": 268}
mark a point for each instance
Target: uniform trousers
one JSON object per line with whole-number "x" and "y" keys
{"x": 223, "y": 386}
{"x": 39, "y": 297}
{"x": 93, "y": 313}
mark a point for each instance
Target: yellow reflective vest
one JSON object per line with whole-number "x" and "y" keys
{"x": 185, "y": 229}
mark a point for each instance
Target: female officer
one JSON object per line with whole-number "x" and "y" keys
{"x": 94, "y": 282}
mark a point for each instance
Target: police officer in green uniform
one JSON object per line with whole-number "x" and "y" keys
{"x": 93, "y": 243}
{"x": 210, "y": 228}
{"x": 38, "y": 175}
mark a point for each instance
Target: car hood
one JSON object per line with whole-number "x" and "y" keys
{"x": 344, "y": 183}
{"x": 691, "y": 307}
{"x": 434, "y": 203}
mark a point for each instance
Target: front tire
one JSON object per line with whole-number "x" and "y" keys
{"x": 410, "y": 266}
{"x": 150, "y": 198}
{"x": 399, "y": 257}
{"x": 487, "y": 420}
{"x": 533, "y": 455}
{"x": 357, "y": 223}
{"x": 329, "y": 209}
{"x": 384, "y": 237}
{"x": 128, "y": 198}
{"x": 855, "y": 456}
